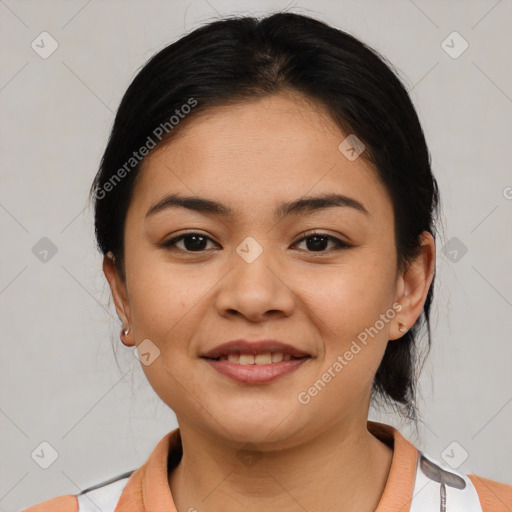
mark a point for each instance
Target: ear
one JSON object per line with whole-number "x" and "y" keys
{"x": 413, "y": 286}
{"x": 119, "y": 294}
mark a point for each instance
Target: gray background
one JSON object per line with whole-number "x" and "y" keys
{"x": 59, "y": 379}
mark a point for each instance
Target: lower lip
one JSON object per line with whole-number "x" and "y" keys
{"x": 256, "y": 373}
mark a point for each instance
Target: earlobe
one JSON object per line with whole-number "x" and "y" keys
{"x": 125, "y": 339}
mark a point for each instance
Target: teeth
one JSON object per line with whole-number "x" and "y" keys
{"x": 233, "y": 358}
{"x": 265, "y": 358}
{"x": 277, "y": 357}
{"x": 246, "y": 359}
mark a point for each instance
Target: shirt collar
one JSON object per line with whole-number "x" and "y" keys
{"x": 148, "y": 487}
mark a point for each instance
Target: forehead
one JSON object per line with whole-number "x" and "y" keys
{"x": 276, "y": 148}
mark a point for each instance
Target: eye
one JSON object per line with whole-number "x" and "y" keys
{"x": 317, "y": 242}
{"x": 192, "y": 242}
{"x": 197, "y": 242}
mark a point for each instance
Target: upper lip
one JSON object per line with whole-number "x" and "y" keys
{"x": 254, "y": 348}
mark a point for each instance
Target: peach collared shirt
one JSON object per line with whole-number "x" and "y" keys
{"x": 147, "y": 489}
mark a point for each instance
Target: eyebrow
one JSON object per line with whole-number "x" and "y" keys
{"x": 299, "y": 206}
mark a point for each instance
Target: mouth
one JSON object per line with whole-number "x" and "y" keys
{"x": 260, "y": 350}
{"x": 258, "y": 359}
{"x": 255, "y": 362}
{"x": 255, "y": 373}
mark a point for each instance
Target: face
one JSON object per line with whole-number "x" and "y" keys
{"x": 322, "y": 279}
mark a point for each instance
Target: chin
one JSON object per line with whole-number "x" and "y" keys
{"x": 257, "y": 426}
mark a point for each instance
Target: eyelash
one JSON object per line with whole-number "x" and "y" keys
{"x": 340, "y": 244}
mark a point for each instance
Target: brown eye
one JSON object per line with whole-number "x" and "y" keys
{"x": 192, "y": 242}
{"x": 197, "y": 242}
{"x": 318, "y": 242}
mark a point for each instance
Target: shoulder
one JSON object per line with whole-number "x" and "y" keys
{"x": 104, "y": 495}
{"x": 67, "y": 503}
{"x": 494, "y": 496}
{"x": 436, "y": 483}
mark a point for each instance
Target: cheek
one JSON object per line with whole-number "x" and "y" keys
{"x": 349, "y": 299}
{"x": 166, "y": 308}
{"x": 163, "y": 308}
{"x": 160, "y": 294}
{"x": 353, "y": 311}
{"x": 354, "y": 339}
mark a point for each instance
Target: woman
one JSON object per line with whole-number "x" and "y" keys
{"x": 266, "y": 210}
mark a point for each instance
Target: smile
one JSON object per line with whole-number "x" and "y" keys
{"x": 256, "y": 369}
{"x": 265, "y": 358}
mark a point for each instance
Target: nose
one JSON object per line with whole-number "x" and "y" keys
{"x": 255, "y": 290}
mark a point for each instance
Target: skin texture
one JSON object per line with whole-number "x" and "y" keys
{"x": 252, "y": 157}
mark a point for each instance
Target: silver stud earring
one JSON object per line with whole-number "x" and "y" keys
{"x": 126, "y": 331}
{"x": 402, "y": 329}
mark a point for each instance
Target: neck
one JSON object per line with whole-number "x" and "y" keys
{"x": 343, "y": 465}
